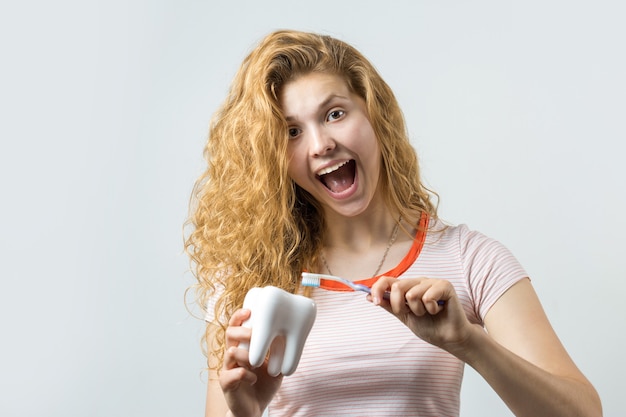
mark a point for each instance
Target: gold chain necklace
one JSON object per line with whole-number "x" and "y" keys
{"x": 392, "y": 239}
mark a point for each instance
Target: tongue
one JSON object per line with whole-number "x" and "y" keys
{"x": 341, "y": 179}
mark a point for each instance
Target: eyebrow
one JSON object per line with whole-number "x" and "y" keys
{"x": 323, "y": 104}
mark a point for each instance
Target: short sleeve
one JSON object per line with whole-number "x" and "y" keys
{"x": 490, "y": 269}
{"x": 211, "y": 303}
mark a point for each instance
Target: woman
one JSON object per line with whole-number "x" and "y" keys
{"x": 310, "y": 168}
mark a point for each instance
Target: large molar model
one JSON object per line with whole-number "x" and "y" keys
{"x": 280, "y": 323}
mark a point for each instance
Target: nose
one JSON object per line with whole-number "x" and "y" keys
{"x": 321, "y": 142}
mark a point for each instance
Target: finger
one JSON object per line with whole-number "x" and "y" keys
{"x": 235, "y": 357}
{"x": 237, "y": 335}
{"x": 231, "y": 379}
{"x": 378, "y": 290}
{"x": 239, "y": 317}
{"x": 414, "y": 300}
{"x": 397, "y": 298}
{"x": 437, "y": 295}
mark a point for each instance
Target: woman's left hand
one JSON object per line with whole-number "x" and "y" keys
{"x": 429, "y": 307}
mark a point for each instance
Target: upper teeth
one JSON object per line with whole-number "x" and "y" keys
{"x": 332, "y": 168}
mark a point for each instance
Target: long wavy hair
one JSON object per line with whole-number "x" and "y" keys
{"x": 251, "y": 225}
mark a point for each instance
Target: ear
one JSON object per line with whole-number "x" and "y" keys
{"x": 275, "y": 313}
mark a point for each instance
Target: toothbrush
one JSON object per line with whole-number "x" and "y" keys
{"x": 315, "y": 280}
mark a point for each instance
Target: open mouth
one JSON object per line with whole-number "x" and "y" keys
{"x": 340, "y": 177}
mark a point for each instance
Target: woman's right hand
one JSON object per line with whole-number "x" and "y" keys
{"x": 247, "y": 391}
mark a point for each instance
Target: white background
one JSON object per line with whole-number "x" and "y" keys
{"x": 517, "y": 110}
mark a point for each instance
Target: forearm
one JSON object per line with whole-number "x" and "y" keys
{"x": 527, "y": 389}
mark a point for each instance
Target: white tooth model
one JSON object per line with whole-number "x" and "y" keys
{"x": 280, "y": 322}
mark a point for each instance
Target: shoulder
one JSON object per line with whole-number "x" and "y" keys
{"x": 461, "y": 238}
{"x": 440, "y": 233}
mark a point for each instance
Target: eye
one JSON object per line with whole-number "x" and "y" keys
{"x": 335, "y": 115}
{"x": 293, "y": 132}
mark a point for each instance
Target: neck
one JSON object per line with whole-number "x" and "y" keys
{"x": 359, "y": 233}
{"x": 364, "y": 248}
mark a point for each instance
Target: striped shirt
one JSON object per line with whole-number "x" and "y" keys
{"x": 359, "y": 360}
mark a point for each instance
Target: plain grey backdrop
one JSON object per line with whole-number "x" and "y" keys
{"x": 517, "y": 110}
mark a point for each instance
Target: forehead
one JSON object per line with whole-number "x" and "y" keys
{"x": 311, "y": 91}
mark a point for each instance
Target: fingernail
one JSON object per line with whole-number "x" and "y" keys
{"x": 376, "y": 300}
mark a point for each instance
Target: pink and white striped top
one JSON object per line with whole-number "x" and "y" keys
{"x": 360, "y": 360}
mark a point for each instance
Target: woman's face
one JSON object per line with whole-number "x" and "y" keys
{"x": 332, "y": 151}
